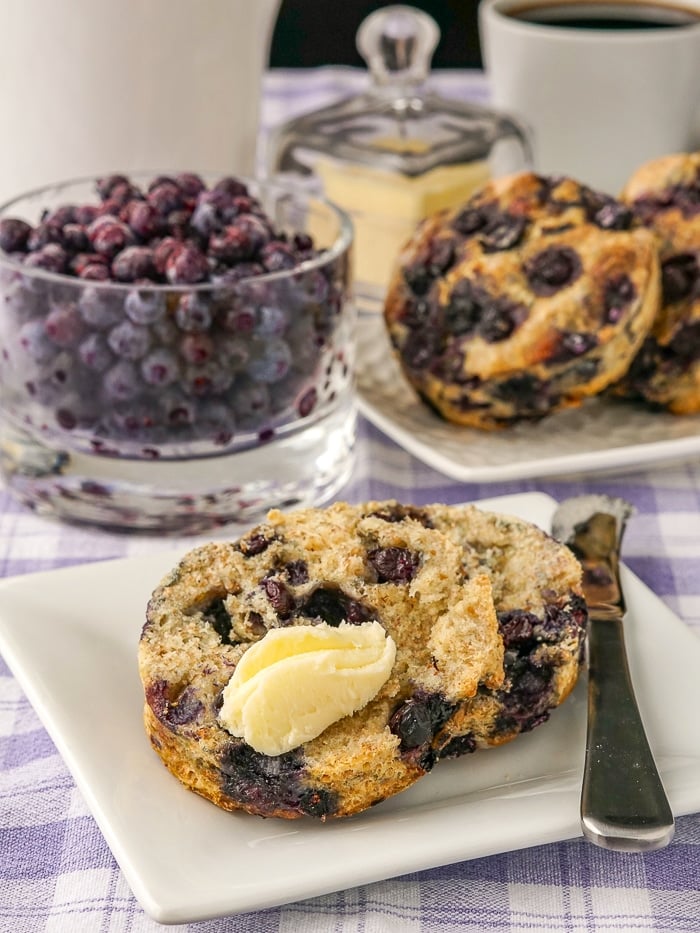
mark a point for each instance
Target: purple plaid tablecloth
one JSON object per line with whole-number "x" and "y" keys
{"x": 58, "y": 874}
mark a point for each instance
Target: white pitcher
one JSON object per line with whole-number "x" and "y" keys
{"x": 96, "y": 86}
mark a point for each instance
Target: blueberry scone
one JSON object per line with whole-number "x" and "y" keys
{"x": 307, "y": 668}
{"x": 533, "y": 295}
{"x": 665, "y": 196}
{"x": 542, "y": 615}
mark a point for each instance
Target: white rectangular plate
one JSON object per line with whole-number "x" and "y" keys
{"x": 601, "y": 435}
{"x": 70, "y": 636}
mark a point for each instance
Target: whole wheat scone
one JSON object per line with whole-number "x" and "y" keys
{"x": 665, "y": 196}
{"x": 301, "y": 568}
{"x": 530, "y": 297}
{"x": 536, "y": 585}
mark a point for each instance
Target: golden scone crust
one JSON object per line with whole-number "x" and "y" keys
{"x": 340, "y": 563}
{"x": 536, "y": 586}
{"x": 665, "y": 197}
{"x": 530, "y": 297}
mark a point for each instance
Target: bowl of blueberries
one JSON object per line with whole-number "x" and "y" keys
{"x": 176, "y": 350}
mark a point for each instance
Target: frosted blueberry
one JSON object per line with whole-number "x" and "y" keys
{"x": 94, "y": 352}
{"x": 64, "y": 325}
{"x": 33, "y": 339}
{"x": 193, "y": 314}
{"x": 100, "y": 308}
{"x": 160, "y": 367}
{"x": 121, "y": 382}
{"x": 128, "y": 340}
{"x": 145, "y": 306}
{"x": 273, "y": 364}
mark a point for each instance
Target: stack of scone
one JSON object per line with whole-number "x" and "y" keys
{"x": 329, "y": 658}
{"x": 540, "y": 292}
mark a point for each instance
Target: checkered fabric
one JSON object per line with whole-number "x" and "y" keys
{"x": 57, "y": 875}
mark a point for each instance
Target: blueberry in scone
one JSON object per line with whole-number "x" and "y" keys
{"x": 532, "y": 296}
{"x": 664, "y": 195}
{"x": 536, "y": 587}
{"x": 322, "y": 575}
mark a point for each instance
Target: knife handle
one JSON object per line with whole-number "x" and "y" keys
{"x": 623, "y": 802}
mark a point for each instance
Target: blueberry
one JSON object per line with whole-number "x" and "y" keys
{"x": 100, "y": 307}
{"x": 165, "y": 196}
{"x": 251, "y": 401}
{"x": 178, "y": 411}
{"x": 189, "y": 184}
{"x": 297, "y": 572}
{"x": 43, "y": 234}
{"x": 307, "y": 402}
{"x": 50, "y": 258}
{"x": 277, "y": 256}
{"x": 122, "y": 382}
{"x": 186, "y": 266}
{"x": 162, "y": 251}
{"x": 108, "y": 183}
{"x": 33, "y": 339}
{"x": 145, "y": 306}
{"x": 470, "y": 220}
{"x": 206, "y": 218}
{"x": 160, "y": 367}
{"x": 230, "y": 186}
{"x": 552, "y": 269}
{"x": 132, "y": 263}
{"x": 217, "y": 615}
{"x": 417, "y": 720}
{"x": 215, "y": 422}
{"x": 256, "y": 542}
{"x": 143, "y": 219}
{"x": 94, "y": 271}
{"x": 128, "y": 340}
{"x": 94, "y": 352}
{"x": 571, "y": 344}
{"x": 231, "y": 245}
{"x": 194, "y": 313}
{"x": 462, "y": 309}
{"x": 503, "y": 231}
{"x": 196, "y": 348}
{"x": 394, "y": 564}
{"x": 109, "y": 236}
{"x": 617, "y": 294}
{"x": 210, "y": 378}
{"x": 273, "y": 364}
{"x": 281, "y": 600}
{"x": 679, "y": 275}
{"x": 14, "y": 234}
{"x": 64, "y": 325}
{"x": 331, "y": 605}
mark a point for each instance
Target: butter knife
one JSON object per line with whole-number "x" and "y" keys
{"x": 623, "y": 802}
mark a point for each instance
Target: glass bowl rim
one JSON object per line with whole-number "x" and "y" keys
{"x": 342, "y": 242}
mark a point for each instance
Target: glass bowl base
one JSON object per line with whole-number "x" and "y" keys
{"x": 190, "y": 496}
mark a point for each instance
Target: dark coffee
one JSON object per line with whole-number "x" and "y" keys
{"x": 608, "y": 16}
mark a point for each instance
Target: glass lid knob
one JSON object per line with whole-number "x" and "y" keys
{"x": 398, "y": 42}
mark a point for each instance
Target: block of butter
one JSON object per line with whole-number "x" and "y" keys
{"x": 386, "y": 207}
{"x": 296, "y": 681}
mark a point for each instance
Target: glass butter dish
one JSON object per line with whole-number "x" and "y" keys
{"x": 397, "y": 152}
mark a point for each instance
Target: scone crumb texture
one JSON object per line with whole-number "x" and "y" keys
{"x": 295, "y": 682}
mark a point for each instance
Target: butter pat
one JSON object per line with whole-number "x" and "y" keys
{"x": 295, "y": 682}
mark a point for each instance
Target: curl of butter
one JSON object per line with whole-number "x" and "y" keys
{"x": 295, "y": 682}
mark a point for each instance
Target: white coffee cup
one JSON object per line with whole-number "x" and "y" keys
{"x": 599, "y": 102}
{"x": 95, "y": 86}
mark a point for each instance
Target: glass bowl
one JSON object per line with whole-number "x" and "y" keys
{"x": 188, "y": 396}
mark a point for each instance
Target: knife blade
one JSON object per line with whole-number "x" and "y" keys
{"x": 623, "y": 802}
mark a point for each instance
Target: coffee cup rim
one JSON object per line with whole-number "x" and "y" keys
{"x": 493, "y": 10}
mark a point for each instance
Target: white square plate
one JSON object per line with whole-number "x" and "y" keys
{"x": 602, "y": 435}
{"x": 70, "y": 636}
